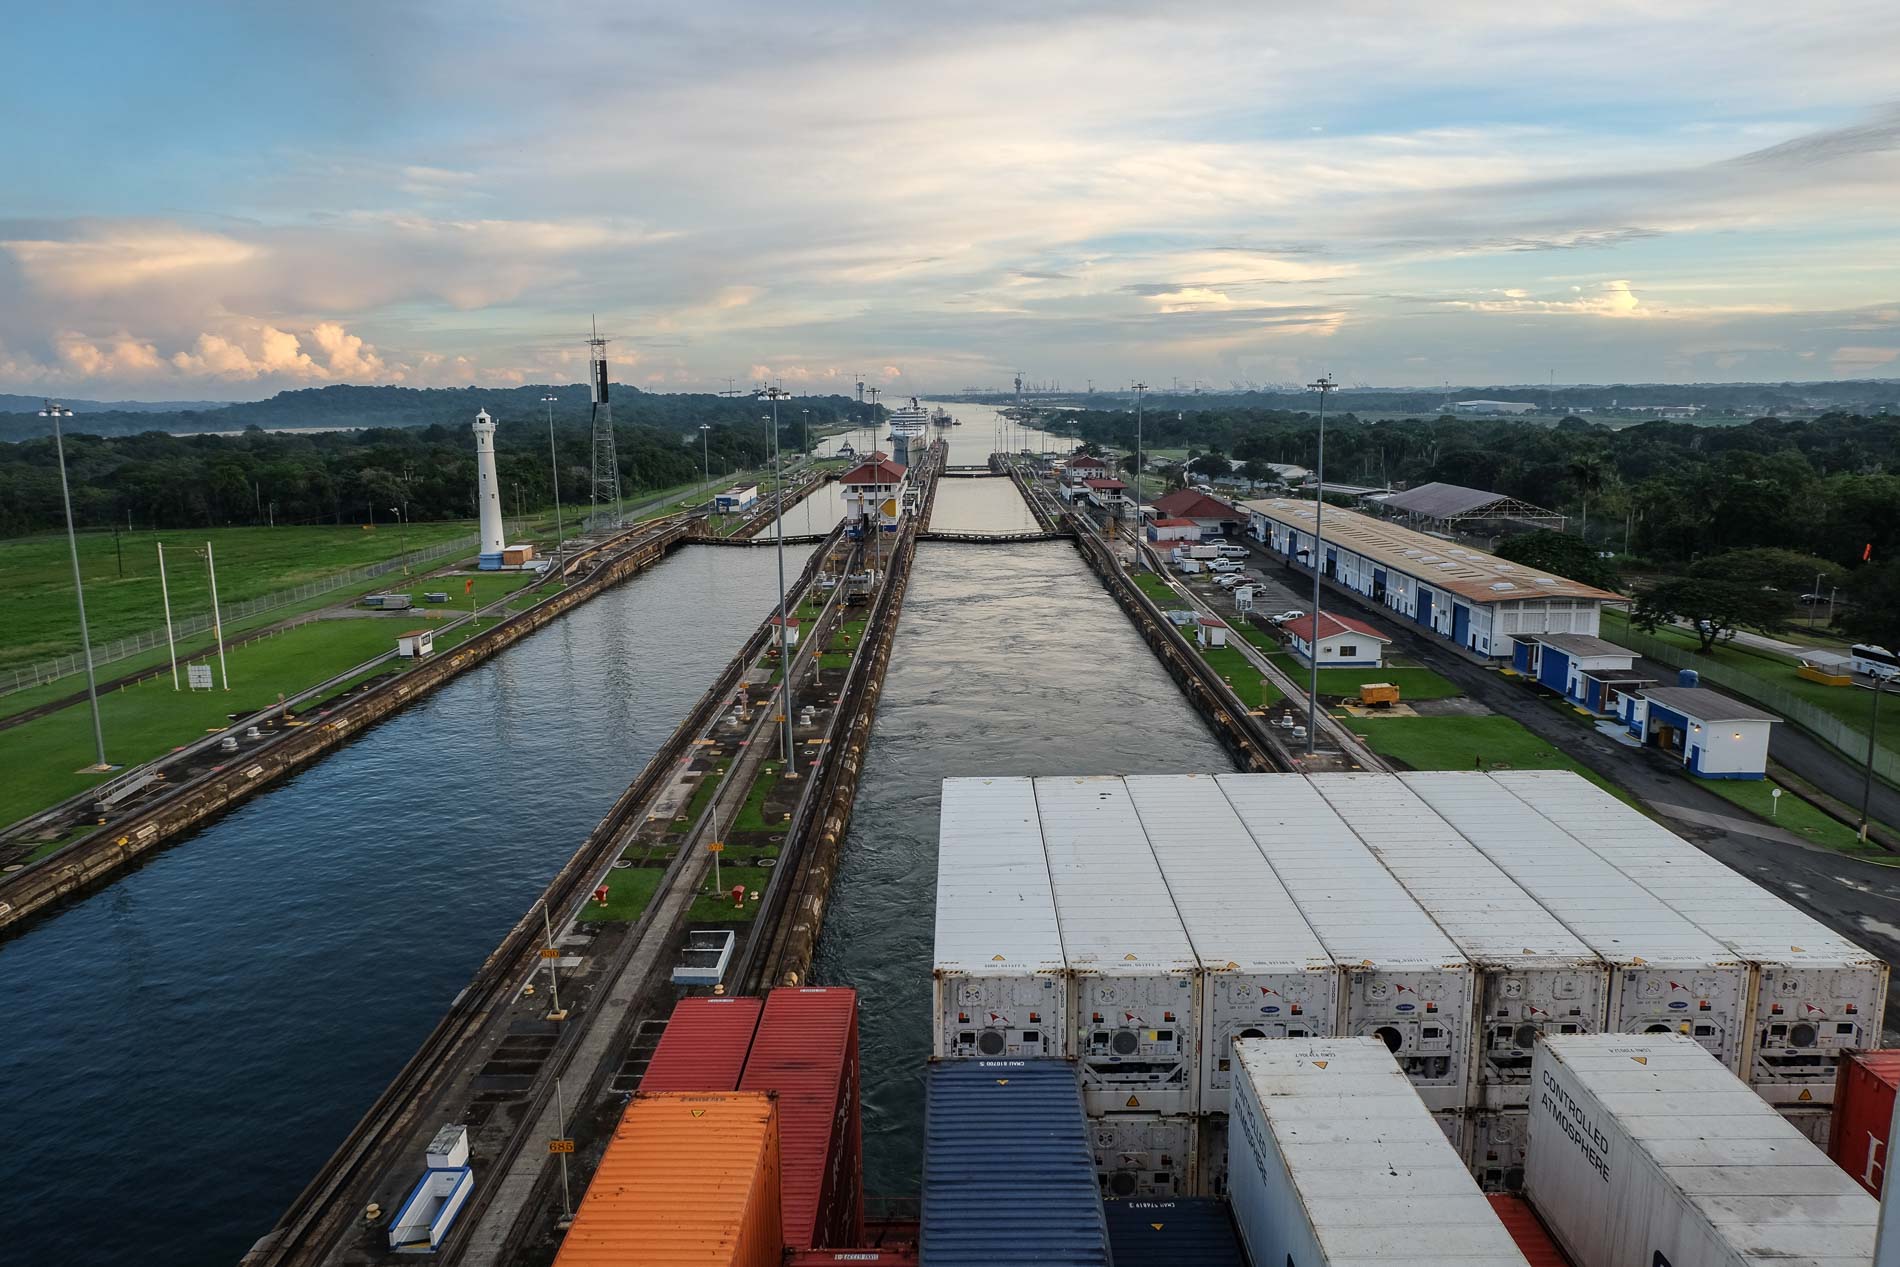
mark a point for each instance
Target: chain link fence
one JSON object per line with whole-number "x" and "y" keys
{"x": 26, "y": 677}
{"x": 1804, "y": 713}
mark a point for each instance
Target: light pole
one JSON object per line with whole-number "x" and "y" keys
{"x": 1873, "y": 745}
{"x": 1324, "y": 386}
{"x": 554, "y": 470}
{"x": 776, "y": 394}
{"x": 402, "y": 531}
{"x": 56, "y": 412}
{"x": 805, "y": 417}
{"x": 705, "y": 452}
{"x": 1139, "y": 389}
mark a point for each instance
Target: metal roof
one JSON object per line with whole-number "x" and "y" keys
{"x": 1706, "y": 705}
{"x": 996, "y": 911}
{"x": 1111, "y": 902}
{"x": 1443, "y": 501}
{"x": 1331, "y": 627}
{"x": 1582, "y": 645}
{"x": 1472, "y": 574}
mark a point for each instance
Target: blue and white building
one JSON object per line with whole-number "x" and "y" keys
{"x": 1589, "y": 672}
{"x": 1714, "y": 736}
{"x": 1475, "y": 601}
{"x": 736, "y": 500}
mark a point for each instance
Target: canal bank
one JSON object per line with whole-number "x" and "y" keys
{"x": 234, "y": 1006}
{"x": 1009, "y": 659}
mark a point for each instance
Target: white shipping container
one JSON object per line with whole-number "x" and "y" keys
{"x": 1668, "y": 976}
{"x": 1496, "y": 1141}
{"x": 1132, "y": 969}
{"x": 1645, "y": 1150}
{"x": 1533, "y": 975}
{"x": 1000, "y": 983}
{"x": 1405, "y": 983}
{"x": 1264, "y": 972}
{"x": 1332, "y": 1159}
{"x": 1815, "y": 993}
{"x": 1145, "y": 1155}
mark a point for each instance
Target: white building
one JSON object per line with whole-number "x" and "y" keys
{"x": 487, "y": 493}
{"x": 874, "y": 493}
{"x": 1475, "y": 600}
{"x": 1343, "y": 641}
{"x": 1715, "y": 736}
{"x": 1162, "y": 531}
{"x": 736, "y": 500}
{"x": 1494, "y": 407}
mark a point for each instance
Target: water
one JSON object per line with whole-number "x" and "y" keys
{"x": 817, "y": 514}
{"x": 1009, "y": 660}
{"x": 983, "y": 432}
{"x": 185, "y": 1047}
{"x": 992, "y": 505}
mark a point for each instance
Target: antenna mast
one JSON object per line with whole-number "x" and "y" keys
{"x": 606, "y": 461}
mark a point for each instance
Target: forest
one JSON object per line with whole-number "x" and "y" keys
{"x": 153, "y": 479}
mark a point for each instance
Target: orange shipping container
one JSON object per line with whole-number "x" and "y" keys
{"x": 688, "y": 1180}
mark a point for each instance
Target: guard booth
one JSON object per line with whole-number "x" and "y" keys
{"x": 416, "y": 644}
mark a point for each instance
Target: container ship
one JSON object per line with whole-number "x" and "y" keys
{"x": 940, "y": 417}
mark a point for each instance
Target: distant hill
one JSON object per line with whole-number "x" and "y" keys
{"x": 10, "y": 404}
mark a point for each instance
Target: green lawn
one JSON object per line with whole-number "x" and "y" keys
{"x": 629, "y": 889}
{"x": 752, "y": 813}
{"x": 1793, "y": 814}
{"x": 43, "y": 758}
{"x": 717, "y": 907}
{"x": 1254, "y": 690}
{"x": 1158, "y": 590}
{"x": 1462, "y": 743}
{"x": 36, "y": 586}
{"x": 1414, "y": 683}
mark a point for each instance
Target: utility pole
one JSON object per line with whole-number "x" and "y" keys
{"x": 776, "y": 394}
{"x": 554, "y": 470}
{"x": 55, "y": 413}
{"x": 1873, "y": 746}
{"x": 1139, "y": 389}
{"x": 1324, "y": 387}
{"x": 705, "y": 452}
{"x": 217, "y": 617}
{"x": 402, "y": 529}
{"x": 165, "y": 592}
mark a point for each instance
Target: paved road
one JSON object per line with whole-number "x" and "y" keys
{"x": 1855, "y": 897}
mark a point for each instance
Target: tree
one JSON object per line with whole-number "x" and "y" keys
{"x": 1560, "y": 554}
{"x": 1772, "y": 568}
{"x": 1714, "y": 609}
{"x": 1212, "y": 465}
{"x": 1129, "y": 464}
{"x": 1875, "y": 615}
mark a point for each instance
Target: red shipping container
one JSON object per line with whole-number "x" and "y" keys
{"x": 853, "y": 1257}
{"x": 704, "y": 1046}
{"x": 806, "y": 1050}
{"x": 1533, "y": 1240}
{"x": 1863, "y": 1113}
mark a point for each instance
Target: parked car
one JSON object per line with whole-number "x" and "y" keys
{"x": 1285, "y": 616}
{"x": 1225, "y": 565}
{"x": 1227, "y": 580}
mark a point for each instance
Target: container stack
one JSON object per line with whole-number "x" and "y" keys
{"x": 1645, "y": 1149}
{"x": 805, "y": 1053}
{"x": 1858, "y": 1138}
{"x": 1334, "y": 1159}
{"x": 1197, "y": 1230}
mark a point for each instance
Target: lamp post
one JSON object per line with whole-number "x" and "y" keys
{"x": 554, "y": 470}
{"x": 705, "y": 452}
{"x": 1324, "y": 387}
{"x": 776, "y": 394}
{"x": 1873, "y": 744}
{"x": 402, "y": 534}
{"x": 55, "y": 413}
{"x": 1139, "y": 389}
{"x": 805, "y": 417}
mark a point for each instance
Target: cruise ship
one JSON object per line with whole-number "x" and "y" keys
{"x": 909, "y": 421}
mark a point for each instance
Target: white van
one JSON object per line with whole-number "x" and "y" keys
{"x": 1234, "y": 552}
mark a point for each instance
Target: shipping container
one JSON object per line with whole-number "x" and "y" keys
{"x": 906, "y": 1257}
{"x": 1533, "y": 974}
{"x": 704, "y": 1045}
{"x": 1405, "y": 983}
{"x": 1495, "y": 1140}
{"x": 1264, "y": 972}
{"x": 1863, "y": 1114}
{"x": 1008, "y": 1175}
{"x": 1332, "y": 1158}
{"x": 1193, "y": 1230}
{"x": 1000, "y": 982}
{"x": 806, "y": 1052}
{"x": 1146, "y": 1154}
{"x": 1133, "y": 972}
{"x": 1667, "y": 975}
{"x": 1527, "y": 1230}
{"x": 1815, "y": 994}
{"x": 688, "y": 1178}
{"x": 1644, "y": 1149}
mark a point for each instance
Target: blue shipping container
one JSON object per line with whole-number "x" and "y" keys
{"x": 1009, "y": 1176}
{"x": 1197, "y": 1230}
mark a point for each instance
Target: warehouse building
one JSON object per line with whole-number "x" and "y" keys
{"x": 736, "y": 500}
{"x": 1455, "y": 508}
{"x": 1474, "y": 600}
{"x": 1589, "y": 672}
{"x": 1715, "y": 736}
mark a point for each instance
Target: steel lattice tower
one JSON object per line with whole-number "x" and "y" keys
{"x": 606, "y": 460}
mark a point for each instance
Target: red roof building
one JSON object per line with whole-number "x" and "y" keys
{"x": 1342, "y": 640}
{"x": 1208, "y": 512}
{"x": 878, "y": 469}
{"x": 1329, "y": 625}
{"x": 1104, "y": 485}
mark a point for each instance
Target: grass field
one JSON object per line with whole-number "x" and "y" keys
{"x": 1414, "y": 683}
{"x": 717, "y": 906}
{"x": 1463, "y": 743}
{"x": 629, "y": 889}
{"x": 1793, "y": 814}
{"x": 38, "y": 618}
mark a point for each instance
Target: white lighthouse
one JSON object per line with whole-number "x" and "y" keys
{"x": 488, "y": 493}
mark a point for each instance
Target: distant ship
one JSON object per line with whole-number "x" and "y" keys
{"x": 909, "y": 422}
{"x": 940, "y": 417}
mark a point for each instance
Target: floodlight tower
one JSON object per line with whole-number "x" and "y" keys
{"x": 606, "y": 461}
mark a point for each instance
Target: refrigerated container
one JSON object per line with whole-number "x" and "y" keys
{"x": 1000, "y": 985}
{"x": 1332, "y": 1158}
{"x": 1008, "y": 1173}
{"x": 1196, "y": 1230}
{"x": 1145, "y": 1154}
{"x": 1495, "y": 1141}
{"x": 1264, "y": 972}
{"x": 696, "y": 1171}
{"x": 1667, "y": 975}
{"x": 704, "y": 1045}
{"x": 1131, "y": 966}
{"x": 1814, "y": 994}
{"x": 1644, "y": 1149}
{"x": 1405, "y": 983}
{"x": 1863, "y": 1115}
{"x": 1533, "y": 976}
{"x": 806, "y": 1052}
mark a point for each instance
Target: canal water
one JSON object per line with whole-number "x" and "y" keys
{"x": 186, "y": 1046}
{"x": 990, "y": 505}
{"x": 815, "y": 515}
{"x": 1008, "y": 660}
{"x": 984, "y": 431}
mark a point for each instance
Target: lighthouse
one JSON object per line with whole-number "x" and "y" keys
{"x": 488, "y": 493}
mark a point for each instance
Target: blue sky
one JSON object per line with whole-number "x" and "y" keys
{"x": 220, "y": 201}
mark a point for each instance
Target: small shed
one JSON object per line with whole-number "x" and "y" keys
{"x": 1168, "y": 530}
{"x": 736, "y": 500}
{"x": 1714, "y": 736}
{"x": 1591, "y": 672}
{"x": 416, "y": 643}
{"x": 516, "y": 556}
{"x": 1210, "y": 632}
{"x": 1342, "y": 641}
{"x": 791, "y": 631}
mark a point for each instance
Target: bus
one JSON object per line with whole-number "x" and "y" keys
{"x": 1874, "y": 661}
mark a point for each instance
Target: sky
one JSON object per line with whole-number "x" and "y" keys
{"x": 221, "y": 201}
